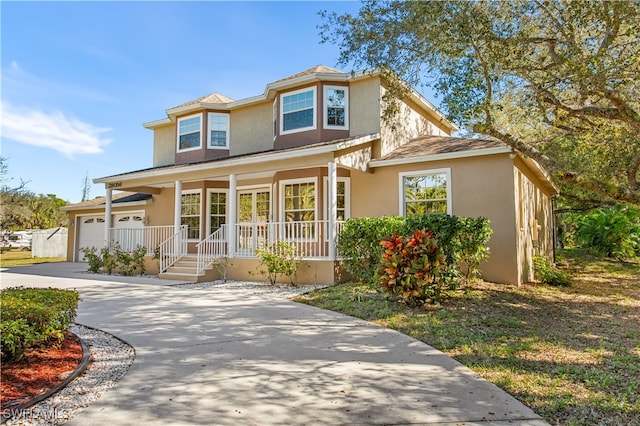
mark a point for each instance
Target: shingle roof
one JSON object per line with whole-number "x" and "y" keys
{"x": 121, "y": 197}
{"x": 433, "y": 145}
{"x": 213, "y": 98}
{"x": 249, "y": 155}
{"x": 313, "y": 70}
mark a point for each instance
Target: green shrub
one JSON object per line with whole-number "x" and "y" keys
{"x": 128, "y": 263}
{"x": 546, "y": 272}
{"x": 279, "y": 259}
{"x": 108, "y": 260}
{"x": 114, "y": 258}
{"x": 359, "y": 243}
{"x": 93, "y": 258}
{"x": 410, "y": 267}
{"x": 612, "y": 232}
{"x": 462, "y": 240}
{"x": 15, "y": 338}
{"x": 34, "y": 317}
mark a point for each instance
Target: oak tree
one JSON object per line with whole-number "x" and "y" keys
{"x": 555, "y": 80}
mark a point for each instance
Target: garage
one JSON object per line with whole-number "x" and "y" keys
{"x": 90, "y": 232}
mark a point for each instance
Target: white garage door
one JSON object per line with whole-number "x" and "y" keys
{"x": 90, "y": 234}
{"x": 91, "y": 231}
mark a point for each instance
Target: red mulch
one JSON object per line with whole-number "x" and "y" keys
{"x": 39, "y": 371}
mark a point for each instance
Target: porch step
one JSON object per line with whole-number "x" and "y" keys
{"x": 186, "y": 269}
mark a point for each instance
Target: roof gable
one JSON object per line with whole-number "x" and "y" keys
{"x": 313, "y": 70}
{"x": 213, "y": 98}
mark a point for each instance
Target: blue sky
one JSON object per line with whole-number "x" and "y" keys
{"x": 80, "y": 78}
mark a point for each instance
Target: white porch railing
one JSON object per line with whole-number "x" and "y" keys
{"x": 150, "y": 237}
{"x": 211, "y": 248}
{"x": 309, "y": 237}
{"x": 173, "y": 248}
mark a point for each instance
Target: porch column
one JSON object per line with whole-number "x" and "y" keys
{"x": 177, "y": 209}
{"x": 233, "y": 209}
{"x": 107, "y": 217}
{"x": 332, "y": 200}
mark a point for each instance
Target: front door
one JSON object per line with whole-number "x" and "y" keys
{"x": 254, "y": 212}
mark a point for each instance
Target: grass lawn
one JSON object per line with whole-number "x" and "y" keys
{"x": 571, "y": 354}
{"x": 22, "y": 258}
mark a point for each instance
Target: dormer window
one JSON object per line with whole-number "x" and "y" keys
{"x": 189, "y": 133}
{"x": 336, "y": 107}
{"x": 218, "y": 137}
{"x": 298, "y": 111}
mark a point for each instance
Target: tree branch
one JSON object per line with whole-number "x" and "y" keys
{"x": 632, "y": 174}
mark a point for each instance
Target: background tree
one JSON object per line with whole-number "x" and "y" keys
{"x": 555, "y": 80}
{"x": 22, "y": 209}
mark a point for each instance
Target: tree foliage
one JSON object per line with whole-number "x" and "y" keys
{"x": 22, "y": 209}
{"x": 555, "y": 80}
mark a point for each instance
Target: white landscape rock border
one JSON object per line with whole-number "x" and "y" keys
{"x": 112, "y": 357}
{"x": 253, "y": 288}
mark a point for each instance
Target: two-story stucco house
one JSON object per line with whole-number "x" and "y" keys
{"x": 295, "y": 162}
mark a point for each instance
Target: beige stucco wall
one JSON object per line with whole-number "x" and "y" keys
{"x": 309, "y": 272}
{"x": 406, "y": 125}
{"x": 534, "y": 209}
{"x": 481, "y": 186}
{"x": 364, "y": 107}
{"x": 251, "y": 129}
{"x": 164, "y": 145}
{"x": 160, "y": 211}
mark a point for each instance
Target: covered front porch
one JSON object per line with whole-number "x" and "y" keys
{"x": 229, "y": 208}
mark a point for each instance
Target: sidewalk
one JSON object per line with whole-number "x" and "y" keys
{"x": 214, "y": 357}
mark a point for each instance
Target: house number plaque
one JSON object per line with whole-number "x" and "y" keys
{"x": 114, "y": 185}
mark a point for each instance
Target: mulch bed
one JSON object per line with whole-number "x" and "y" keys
{"x": 39, "y": 371}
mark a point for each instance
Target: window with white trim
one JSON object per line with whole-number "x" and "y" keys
{"x": 217, "y": 210}
{"x": 336, "y": 107}
{"x": 189, "y": 132}
{"x": 190, "y": 214}
{"x": 343, "y": 197}
{"x": 425, "y": 192}
{"x": 299, "y": 208}
{"x": 218, "y": 130}
{"x": 298, "y": 111}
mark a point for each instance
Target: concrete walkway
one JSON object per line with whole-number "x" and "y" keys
{"x": 210, "y": 357}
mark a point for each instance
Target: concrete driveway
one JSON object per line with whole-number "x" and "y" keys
{"x": 213, "y": 357}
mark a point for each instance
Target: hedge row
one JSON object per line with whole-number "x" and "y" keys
{"x": 34, "y": 317}
{"x": 462, "y": 240}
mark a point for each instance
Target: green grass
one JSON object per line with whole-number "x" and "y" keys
{"x": 22, "y": 258}
{"x": 572, "y": 354}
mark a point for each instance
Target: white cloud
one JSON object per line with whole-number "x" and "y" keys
{"x": 53, "y": 130}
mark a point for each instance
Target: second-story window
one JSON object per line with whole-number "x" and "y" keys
{"x": 218, "y": 128}
{"x": 336, "y": 107}
{"x": 189, "y": 132}
{"x": 298, "y": 111}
